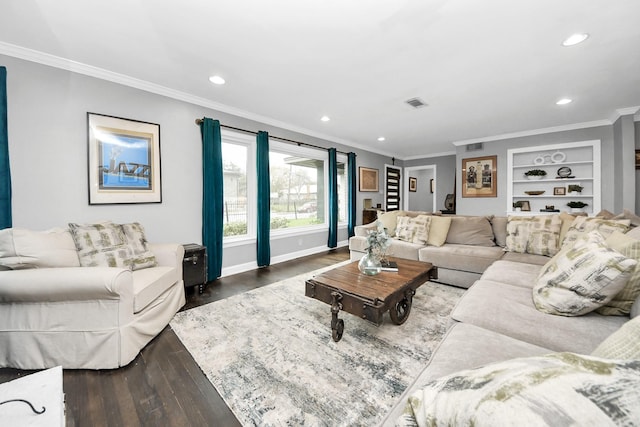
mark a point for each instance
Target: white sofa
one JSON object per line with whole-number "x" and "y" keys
{"x": 55, "y": 312}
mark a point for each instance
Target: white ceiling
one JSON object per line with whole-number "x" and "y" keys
{"x": 485, "y": 68}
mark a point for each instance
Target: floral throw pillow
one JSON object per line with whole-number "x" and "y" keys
{"x": 537, "y": 235}
{"x": 101, "y": 245}
{"x": 583, "y": 278}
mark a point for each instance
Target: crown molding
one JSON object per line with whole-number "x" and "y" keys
{"x": 125, "y": 80}
{"x": 634, "y": 111}
{"x": 428, "y": 156}
{"x": 532, "y": 132}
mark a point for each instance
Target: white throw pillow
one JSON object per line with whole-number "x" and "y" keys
{"x": 137, "y": 241}
{"x": 582, "y": 225}
{"x": 21, "y": 248}
{"x": 581, "y": 279}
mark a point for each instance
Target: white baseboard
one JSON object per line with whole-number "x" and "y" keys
{"x": 241, "y": 268}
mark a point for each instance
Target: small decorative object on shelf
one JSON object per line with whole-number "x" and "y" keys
{"x": 559, "y": 191}
{"x": 378, "y": 241}
{"x": 517, "y": 206}
{"x": 558, "y": 157}
{"x": 576, "y": 206}
{"x": 575, "y": 189}
{"x": 534, "y": 192}
{"x": 535, "y": 174}
{"x": 565, "y": 172}
{"x": 549, "y": 208}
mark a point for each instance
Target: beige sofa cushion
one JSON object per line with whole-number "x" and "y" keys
{"x": 499, "y": 228}
{"x": 526, "y": 258}
{"x": 150, "y": 283}
{"x": 21, "y": 248}
{"x": 470, "y": 230}
{"x": 475, "y": 259}
{"x": 512, "y": 273}
{"x": 479, "y": 307}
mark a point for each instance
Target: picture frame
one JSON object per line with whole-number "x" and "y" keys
{"x": 432, "y": 185}
{"x": 413, "y": 184}
{"x": 368, "y": 179}
{"x": 526, "y": 207}
{"x": 559, "y": 191}
{"x": 123, "y": 160}
{"x": 637, "y": 159}
{"x": 483, "y": 184}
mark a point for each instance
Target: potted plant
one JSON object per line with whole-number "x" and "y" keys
{"x": 517, "y": 206}
{"x": 576, "y": 206}
{"x": 575, "y": 189}
{"x": 535, "y": 174}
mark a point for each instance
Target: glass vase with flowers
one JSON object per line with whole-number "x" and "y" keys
{"x": 378, "y": 241}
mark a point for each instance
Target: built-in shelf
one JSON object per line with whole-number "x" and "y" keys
{"x": 583, "y": 158}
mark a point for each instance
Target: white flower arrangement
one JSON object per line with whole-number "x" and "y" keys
{"x": 378, "y": 241}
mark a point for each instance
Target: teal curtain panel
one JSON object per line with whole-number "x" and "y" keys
{"x": 264, "y": 206}
{"x": 351, "y": 194}
{"x": 333, "y": 199}
{"x": 212, "y": 196}
{"x": 5, "y": 170}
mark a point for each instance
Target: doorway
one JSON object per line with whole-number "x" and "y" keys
{"x": 422, "y": 179}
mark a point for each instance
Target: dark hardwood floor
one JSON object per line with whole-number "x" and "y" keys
{"x": 163, "y": 386}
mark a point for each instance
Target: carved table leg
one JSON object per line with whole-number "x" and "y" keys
{"x": 337, "y": 325}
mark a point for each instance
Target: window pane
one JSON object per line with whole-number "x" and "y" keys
{"x": 297, "y": 191}
{"x": 234, "y": 164}
{"x": 342, "y": 192}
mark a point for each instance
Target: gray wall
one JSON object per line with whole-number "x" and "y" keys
{"x": 445, "y": 175}
{"x": 497, "y": 205}
{"x": 47, "y": 110}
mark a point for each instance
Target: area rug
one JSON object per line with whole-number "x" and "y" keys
{"x": 270, "y": 355}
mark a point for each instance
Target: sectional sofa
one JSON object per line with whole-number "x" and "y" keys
{"x": 498, "y": 322}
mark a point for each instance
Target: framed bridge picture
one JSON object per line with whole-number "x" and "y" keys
{"x": 124, "y": 160}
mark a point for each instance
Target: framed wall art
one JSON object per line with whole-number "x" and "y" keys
{"x": 368, "y": 179}
{"x": 559, "y": 191}
{"x": 123, "y": 160}
{"x": 413, "y": 184}
{"x": 479, "y": 177}
{"x": 637, "y": 159}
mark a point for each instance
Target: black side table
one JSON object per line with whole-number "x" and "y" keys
{"x": 194, "y": 266}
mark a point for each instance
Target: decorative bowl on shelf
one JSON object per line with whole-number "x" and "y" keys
{"x": 534, "y": 192}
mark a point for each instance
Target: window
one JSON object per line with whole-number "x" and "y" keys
{"x": 237, "y": 151}
{"x": 342, "y": 189}
{"x": 297, "y": 186}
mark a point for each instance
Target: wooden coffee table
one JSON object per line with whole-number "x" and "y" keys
{"x": 369, "y": 297}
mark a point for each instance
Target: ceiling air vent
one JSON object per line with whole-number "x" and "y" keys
{"x": 416, "y": 102}
{"x": 474, "y": 147}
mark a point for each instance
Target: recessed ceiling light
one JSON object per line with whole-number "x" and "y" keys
{"x": 563, "y": 101}
{"x": 325, "y": 118}
{"x": 575, "y": 39}
{"x": 382, "y": 138}
{"x": 216, "y": 80}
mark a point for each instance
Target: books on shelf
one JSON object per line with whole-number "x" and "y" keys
{"x": 389, "y": 266}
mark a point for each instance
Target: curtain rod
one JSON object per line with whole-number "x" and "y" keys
{"x": 291, "y": 141}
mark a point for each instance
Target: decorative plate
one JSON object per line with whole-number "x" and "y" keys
{"x": 564, "y": 172}
{"x": 534, "y": 193}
